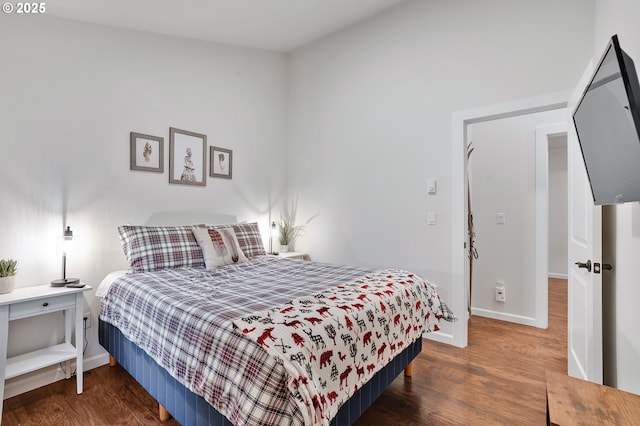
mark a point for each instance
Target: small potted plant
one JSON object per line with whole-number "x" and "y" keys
{"x": 288, "y": 229}
{"x": 8, "y": 269}
{"x": 288, "y": 233}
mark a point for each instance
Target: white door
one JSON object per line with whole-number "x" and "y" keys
{"x": 585, "y": 249}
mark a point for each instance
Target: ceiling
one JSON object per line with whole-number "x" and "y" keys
{"x": 277, "y": 25}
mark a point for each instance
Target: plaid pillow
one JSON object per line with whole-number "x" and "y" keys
{"x": 249, "y": 238}
{"x": 151, "y": 248}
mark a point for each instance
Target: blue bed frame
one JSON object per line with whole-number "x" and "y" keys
{"x": 191, "y": 409}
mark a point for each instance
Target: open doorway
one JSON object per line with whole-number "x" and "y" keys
{"x": 558, "y": 205}
{"x": 461, "y": 123}
{"x": 509, "y": 187}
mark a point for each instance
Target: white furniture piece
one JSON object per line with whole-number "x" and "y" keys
{"x": 295, "y": 255}
{"x": 38, "y": 300}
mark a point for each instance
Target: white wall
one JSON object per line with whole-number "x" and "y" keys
{"x": 503, "y": 180}
{"x": 370, "y": 112}
{"x": 558, "y": 207}
{"x": 622, "y": 246}
{"x": 71, "y": 93}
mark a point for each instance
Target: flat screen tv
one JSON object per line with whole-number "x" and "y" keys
{"x": 607, "y": 121}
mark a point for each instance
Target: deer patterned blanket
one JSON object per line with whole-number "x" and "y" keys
{"x": 331, "y": 343}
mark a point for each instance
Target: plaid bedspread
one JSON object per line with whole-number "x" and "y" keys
{"x": 182, "y": 318}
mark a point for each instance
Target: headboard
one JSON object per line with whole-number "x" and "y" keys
{"x": 178, "y": 218}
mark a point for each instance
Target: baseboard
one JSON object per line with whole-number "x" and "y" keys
{"x": 559, "y": 276}
{"x": 46, "y": 376}
{"x": 518, "y": 319}
{"x": 438, "y": 336}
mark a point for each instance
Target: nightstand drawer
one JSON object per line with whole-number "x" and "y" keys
{"x": 41, "y": 306}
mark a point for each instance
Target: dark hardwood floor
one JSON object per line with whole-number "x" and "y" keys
{"x": 498, "y": 379}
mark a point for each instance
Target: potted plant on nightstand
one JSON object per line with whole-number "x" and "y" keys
{"x": 288, "y": 230}
{"x": 8, "y": 271}
{"x": 288, "y": 233}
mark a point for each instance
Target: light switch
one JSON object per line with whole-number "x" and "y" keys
{"x": 431, "y": 218}
{"x": 500, "y": 218}
{"x": 432, "y": 186}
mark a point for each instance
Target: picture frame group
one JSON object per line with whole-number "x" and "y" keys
{"x": 187, "y": 157}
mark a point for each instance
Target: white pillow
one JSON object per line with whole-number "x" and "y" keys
{"x": 104, "y": 286}
{"x": 219, "y": 246}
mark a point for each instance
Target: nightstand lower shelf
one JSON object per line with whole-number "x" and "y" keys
{"x": 42, "y": 358}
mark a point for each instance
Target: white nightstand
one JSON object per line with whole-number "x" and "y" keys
{"x": 295, "y": 255}
{"x": 32, "y": 301}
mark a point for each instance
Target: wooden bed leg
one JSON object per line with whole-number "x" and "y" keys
{"x": 408, "y": 371}
{"x": 112, "y": 361}
{"x": 164, "y": 414}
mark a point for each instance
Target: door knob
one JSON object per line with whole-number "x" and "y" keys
{"x": 586, "y": 266}
{"x": 605, "y": 266}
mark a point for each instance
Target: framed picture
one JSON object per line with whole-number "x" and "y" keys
{"x": 220, "y": 162}
{"x": 187, "y": 157}
{"x": 147, "y": 152}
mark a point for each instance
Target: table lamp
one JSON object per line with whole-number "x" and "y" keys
{"x": 65, "y": 245}
{"x": 273, "y": 232}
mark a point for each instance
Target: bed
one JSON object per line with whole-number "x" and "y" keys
{"x": 262, "y": 341}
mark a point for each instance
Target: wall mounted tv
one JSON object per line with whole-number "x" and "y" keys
{"x": 607, "y": 121}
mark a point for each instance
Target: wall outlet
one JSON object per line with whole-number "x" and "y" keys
{"x": 87, "y": 319}
{"x": 501, "y": 295}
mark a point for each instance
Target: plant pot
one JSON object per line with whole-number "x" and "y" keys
{"x": 284, "y": 248}
{"x": 7, "y": 284}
